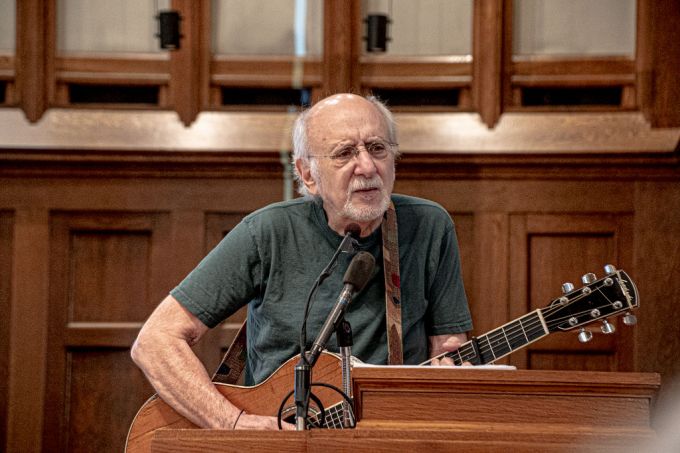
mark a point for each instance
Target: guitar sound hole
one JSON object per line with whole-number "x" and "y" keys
{"x": 288, "y": 416}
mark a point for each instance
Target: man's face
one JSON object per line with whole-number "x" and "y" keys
{"x": 357, "y": 190}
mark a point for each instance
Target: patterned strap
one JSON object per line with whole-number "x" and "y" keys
{"x": 390, "y": 236}
{"x": 234, "y": 360}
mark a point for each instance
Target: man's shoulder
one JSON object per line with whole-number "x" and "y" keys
{"x": 407, "y": 202}
{"x": 279, "y": 210}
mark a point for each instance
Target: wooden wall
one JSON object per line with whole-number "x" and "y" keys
{"x": 92, "y": 239}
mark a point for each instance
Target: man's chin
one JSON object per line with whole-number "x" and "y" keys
{"x": 365, "y": 212}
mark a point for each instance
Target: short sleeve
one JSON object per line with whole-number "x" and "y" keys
{"x": 225, "y": 280}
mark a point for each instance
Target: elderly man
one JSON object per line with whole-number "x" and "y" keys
{"x": 344, "y": 151}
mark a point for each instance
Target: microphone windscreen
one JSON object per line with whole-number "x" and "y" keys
{"x": 359, "y": 271}
{"x": 354, "y": 230}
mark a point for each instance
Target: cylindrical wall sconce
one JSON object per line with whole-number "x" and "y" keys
{"x": 168, "y": 29}
{"x": 376, "y": 32}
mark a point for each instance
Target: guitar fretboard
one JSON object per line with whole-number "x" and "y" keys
{"x": 501, "y": 341}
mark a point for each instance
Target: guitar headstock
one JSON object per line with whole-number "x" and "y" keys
{"x": 611, "y": 295}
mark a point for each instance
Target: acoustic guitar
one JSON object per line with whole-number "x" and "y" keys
{"x": 611, "y": 295}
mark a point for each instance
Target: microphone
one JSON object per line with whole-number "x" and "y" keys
{"x": 349, "y": 242}
{"x": 358, "y": 273}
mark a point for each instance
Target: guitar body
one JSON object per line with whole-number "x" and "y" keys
{"x": 262, "y": 399}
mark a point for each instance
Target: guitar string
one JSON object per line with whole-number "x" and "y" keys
{"x": 504, "y": 335}
{"x": 515, "y": 331}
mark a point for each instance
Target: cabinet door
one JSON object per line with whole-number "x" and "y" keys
{"x": 548, "y": 250}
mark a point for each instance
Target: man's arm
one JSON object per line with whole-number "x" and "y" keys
{"x": 163, "y": 352}
{"x": 440, "y": 344}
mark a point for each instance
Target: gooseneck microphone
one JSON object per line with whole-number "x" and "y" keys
{"x": 358, "y": 273}
{"x": 303, "y": 370}
{"x": 347, "y": 245}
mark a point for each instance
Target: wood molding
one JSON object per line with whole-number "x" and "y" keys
{"x": 265, "y": 71}
{"x": 658, "y": 59}
{"x": 342, "y": 34}
{"x": 418, "y": 72}
{"x": 489, "y": 29}
{"x": 32, "y": 53}
{"x": 153, "y": 132}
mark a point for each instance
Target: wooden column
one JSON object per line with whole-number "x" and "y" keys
{"x": 28, "y": 330}
{"x": 340, "y": 56}
{"x": 488, "y": 59}
{"x": 31, "y": 62}
{"x": 658, "y": 60}
{"x": 187, "y": 63}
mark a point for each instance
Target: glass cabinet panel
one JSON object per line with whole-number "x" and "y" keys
{"x": 106, "y": 26}
{"x": 264, "y": 27}
{"x": 424, "y": 27}
{"x": 574, "y": 27}
{"x": 7, "y": 25}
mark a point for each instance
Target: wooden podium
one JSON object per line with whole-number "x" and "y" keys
{"x": 442, "y": 409}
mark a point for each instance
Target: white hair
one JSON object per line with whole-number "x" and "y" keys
{"x": 302, "y": 152}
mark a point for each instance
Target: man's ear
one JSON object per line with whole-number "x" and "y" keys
{"x": 305, "y": 172}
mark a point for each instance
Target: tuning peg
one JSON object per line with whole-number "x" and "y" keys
{"x": 629, "y": 319}
{"x": 584, "y": 336}
{"x": 567, "y": 287}
{"x": 609, "y": 269}
{"x": 607, "y": 327}
{"x": 588, "y": 278}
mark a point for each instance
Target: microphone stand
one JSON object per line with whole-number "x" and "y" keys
{"x": 303, "y": 369}
{"x": 344, "y": 338}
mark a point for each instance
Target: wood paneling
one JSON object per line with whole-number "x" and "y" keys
{"x": 107, "y": 272}
{"x": 97, "y": 238}
{"x": 657, "y": 260}
{"x": 658, "y": 59}
{"x": 6, "y": 230}
{"x": 549, "y": 250}
{"x": 28, "y": 328}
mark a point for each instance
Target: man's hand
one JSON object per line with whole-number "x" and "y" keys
{"x": 252, "y": 421}
{"x": 439, "y": 344}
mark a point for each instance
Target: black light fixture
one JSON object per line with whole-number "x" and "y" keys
{"x": 376, "y": 30}
{"x": 168, "y": 29}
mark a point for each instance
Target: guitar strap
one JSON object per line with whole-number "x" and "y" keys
{"x": 390, "y": 240}
{"x": 234, "y": 360}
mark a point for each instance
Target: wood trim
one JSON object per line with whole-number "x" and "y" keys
{"x": 185, "y": 64}
{"x": 7, "y": 63}
{"x": 552, "y": 65}
{"x": 420, "y": 72}
{"x": 541, "y": 71}
{"x": 488, "y": 45}
{"x": 205, "y": 53}
{"x": 155, "y": 133}
{"x": 28, "y": 329}
{"x": 658, "y": 61}
{"x": 264, "y": 72}
{"x": 32, "y": 53}
{"x": 341, "y": 38}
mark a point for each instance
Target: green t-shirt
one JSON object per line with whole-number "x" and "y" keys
{"x": 271, "y": 259}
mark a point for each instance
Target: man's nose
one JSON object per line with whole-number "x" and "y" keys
{"x": 364, "y": 163}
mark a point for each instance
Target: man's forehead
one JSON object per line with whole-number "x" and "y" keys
{"x": 336, "y": 99}
{"x": 342, "y": 107}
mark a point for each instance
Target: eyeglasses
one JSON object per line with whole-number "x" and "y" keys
{"x": 376, "y": 149}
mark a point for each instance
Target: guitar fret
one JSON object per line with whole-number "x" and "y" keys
{"x": 523, "y": 331}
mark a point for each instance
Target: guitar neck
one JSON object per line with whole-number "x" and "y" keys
{"x": 501, "y": 341}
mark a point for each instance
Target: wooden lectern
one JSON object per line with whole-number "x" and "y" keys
{"x": 442, "y": 409}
